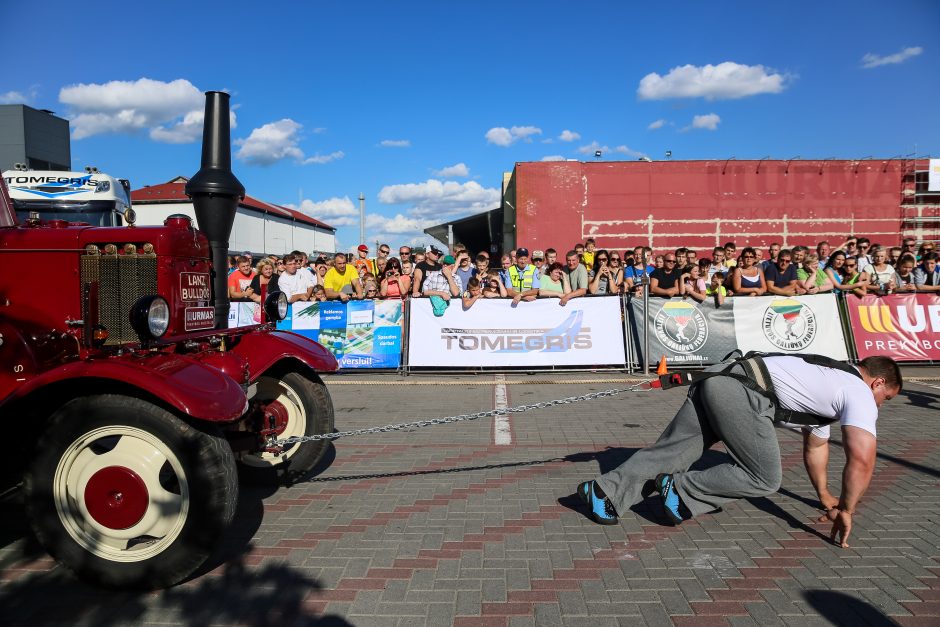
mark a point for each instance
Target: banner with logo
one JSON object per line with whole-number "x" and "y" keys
{"x": 790, "y": 324}
{"x": 905, "y": 327}
{"x": 239, "y": 314}
{"x": 685, "y": 331}
{"x": 692, "y": 333}
{"x": 360, "y": 333}
{"x": 585, "y": 332}
{"x": 933, "y": 177}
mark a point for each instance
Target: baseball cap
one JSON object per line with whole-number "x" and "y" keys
{"x": 449, "y": 259}
{"x": 363, "y": 248}
{"x": 436, "y": 251}
{"x": 522, "y": 252}
{"x": 536, "y": 255}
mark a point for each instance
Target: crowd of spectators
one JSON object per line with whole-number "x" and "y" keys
{"x": 856, "y": 266}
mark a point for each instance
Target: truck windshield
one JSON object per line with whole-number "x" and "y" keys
{"x": 94, "y": 212}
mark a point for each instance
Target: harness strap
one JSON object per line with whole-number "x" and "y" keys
{"x": 757, "y": 378}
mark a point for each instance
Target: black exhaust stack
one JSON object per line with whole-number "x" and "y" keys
{"x": 215, "y": 193}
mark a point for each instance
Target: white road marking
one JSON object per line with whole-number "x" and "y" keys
{"x": 926, "y": 385}
{"x": 502, "y": 430}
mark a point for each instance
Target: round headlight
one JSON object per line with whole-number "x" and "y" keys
{"x": 275, "y": 306}
{"x": 150, "y": 317}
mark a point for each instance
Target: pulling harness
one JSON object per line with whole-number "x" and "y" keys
{"x": 756, "y": 377}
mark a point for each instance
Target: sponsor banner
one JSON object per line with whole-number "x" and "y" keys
{"x": 905, "y": 327}
{"x": 790, "y": 324}
{"x": 242, "y": 314}
{"x": 585, "y": 332}
{"x": 685, "y": 331}
{"x": 933, "y": 177}
{"x": 360, "y": 333}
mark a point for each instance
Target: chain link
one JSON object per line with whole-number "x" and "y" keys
{"x": 409, "y": 426}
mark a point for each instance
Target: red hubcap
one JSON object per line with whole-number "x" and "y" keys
{"x": 116, "y": 497}
{"x": 276, "y": 410}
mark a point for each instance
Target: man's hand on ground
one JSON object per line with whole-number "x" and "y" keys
{"x": 841, "y": 526}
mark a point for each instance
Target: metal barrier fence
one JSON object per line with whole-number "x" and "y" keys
{"x": 624, "y": 333}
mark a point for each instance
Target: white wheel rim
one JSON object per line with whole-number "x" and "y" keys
{"x": 271, "y": 389}
{"x": 145, "y": 455}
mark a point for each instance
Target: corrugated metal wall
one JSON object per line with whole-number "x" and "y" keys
{"x": 701, "y": 204}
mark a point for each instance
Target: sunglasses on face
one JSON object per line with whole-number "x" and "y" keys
{"x": 384, "y": 251}
{"x": 748, "y": 256}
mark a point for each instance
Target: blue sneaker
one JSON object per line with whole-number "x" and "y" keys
{"x": 672, "y": 504}
{"x": 602, "y": 511}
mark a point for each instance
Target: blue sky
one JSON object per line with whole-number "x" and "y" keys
{"x": 423, "y": 105}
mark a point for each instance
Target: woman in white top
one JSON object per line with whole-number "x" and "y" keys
{"x": 880, "y": 272}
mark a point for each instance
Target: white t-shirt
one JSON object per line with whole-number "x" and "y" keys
{"x": 296, "y": 283}
{"x": 881, "y": 278}
{"x": 801, "y": 386}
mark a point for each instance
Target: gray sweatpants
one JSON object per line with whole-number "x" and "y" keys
{"x": 719, "y": 409}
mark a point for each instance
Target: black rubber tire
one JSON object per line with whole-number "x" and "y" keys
{"x": 319, "y": 419}
{"x": 209, "y": 471}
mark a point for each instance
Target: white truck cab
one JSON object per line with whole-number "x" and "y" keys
{"x": 91, "y": 196}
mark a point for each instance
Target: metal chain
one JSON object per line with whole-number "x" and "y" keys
{"x": 408, "y": 426}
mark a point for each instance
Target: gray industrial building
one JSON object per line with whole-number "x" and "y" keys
{"x": 35, "y": 137}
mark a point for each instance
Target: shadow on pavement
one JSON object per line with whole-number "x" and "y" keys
{"x": 273, "y": 594}
{"x": 842, "y": 609}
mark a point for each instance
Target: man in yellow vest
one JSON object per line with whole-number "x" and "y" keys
{"x": 522, "y": 278}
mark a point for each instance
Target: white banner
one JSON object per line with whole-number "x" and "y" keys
{"x": 585, "y": 332}
{"x": 790, "y": 324}
{"x": 933, "y": 178}
{"x": 243, "y": 314}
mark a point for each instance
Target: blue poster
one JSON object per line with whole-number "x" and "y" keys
{"x": 360, "y": 333}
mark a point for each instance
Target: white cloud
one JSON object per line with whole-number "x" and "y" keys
{"x": 334, "y": 211}
{"x": 708, "y": 121}
{"x": 318, "y": 158}
{"x": 569, "y": 136}
{"x": 726, "y": 80}
{"x": 502, "y": 136}
{"x": 594, "y": 146}
{"x": 133, "y": 106}
{"x": 871, "y": 59}
{"x": 440, "y": 200}
{"x": 19, "y": 97}
{"x": 271, "y": 143}
{"x": 657, "y": 124}
{"x": 276, "y": 141}
{"x": 395, "y": 143}
{"x": 456, "y": 170}
{"x": 553, "y": 158}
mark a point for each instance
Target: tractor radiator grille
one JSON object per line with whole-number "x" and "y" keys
{"x": 111, "y": 285}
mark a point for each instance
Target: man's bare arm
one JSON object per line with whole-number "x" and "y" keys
{"x": 816, "y": 461}
{"x": 860, "y": 449}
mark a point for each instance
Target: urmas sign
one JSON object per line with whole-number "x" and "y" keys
{"x": 903, "y": 326}
{"x": 587, "y": 331}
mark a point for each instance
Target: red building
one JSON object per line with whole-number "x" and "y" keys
{"x": 702, "y": 204}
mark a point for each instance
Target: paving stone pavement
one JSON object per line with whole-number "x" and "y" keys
{"x": 441, "y": 526}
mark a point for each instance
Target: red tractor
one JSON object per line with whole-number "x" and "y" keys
{"x": 136, "y": 409}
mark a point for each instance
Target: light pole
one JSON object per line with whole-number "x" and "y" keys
{"x": 362, "y": 218}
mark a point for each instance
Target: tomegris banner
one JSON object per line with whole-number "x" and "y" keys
{"x": 587, "y": 331}
{"x": 360, "y": 333}
{"x": 903, "y": 326}
{"x": 690, "y": 333}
